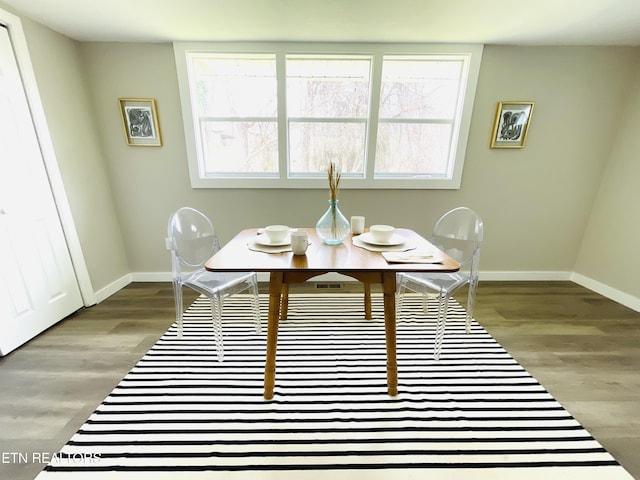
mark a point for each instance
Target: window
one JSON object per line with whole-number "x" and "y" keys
{"x": 236, "y": 133}
{"x": 418, "y": 110}
{"x": 273, "y": 115}
{"x": 327, "y": 113}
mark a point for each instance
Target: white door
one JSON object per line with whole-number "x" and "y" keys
{"x": 38, "y": 286}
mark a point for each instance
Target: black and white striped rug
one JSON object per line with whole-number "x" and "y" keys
{"x": 475, "y": 414}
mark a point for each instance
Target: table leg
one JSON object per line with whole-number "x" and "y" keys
{"x": 389, "y": 293}
{"x": 275, "y": 290}
{"x": 367, "y": 300}
{"x": 284, "y": 304}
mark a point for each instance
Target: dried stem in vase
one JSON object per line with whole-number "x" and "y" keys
{"x": 334, "y": 180}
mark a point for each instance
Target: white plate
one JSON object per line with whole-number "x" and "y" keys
{"x": 265, "y": 242}
{"x": 396, "y": 239}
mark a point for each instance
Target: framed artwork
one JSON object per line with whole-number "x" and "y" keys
{"x": 140, "y": 121}
{"x": 511, "y": 124}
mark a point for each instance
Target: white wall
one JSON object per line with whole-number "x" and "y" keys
{"x": 609, "y": 254}
{"x": 541, "y": 204}
{"x": 535, "y": 202}
{"x": 77, "y": 142}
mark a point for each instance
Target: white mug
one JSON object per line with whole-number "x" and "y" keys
{"x": 357, "y": 224}
{"x": 299, "y": 242}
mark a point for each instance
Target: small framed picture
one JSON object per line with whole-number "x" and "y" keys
{"x": 511, "y": 124}
{"x": 140, "y": 121}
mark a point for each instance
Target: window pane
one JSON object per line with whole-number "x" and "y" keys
{"x": 424, "y": 91}
{"x": 335, "y": 89}
{"x": 313, "y": 144}
{"x": 235, "y": 104}
{"x": 420, "y": 89}
{"x": 413, "y": 148}
{"x": 239, "y": 147}
{"x": 235, "y": 86}
{"x": 328, "y": 87}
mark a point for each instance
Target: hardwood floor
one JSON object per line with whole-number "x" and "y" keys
{"x": 583, "y": 348}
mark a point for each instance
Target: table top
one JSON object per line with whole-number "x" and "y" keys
{"x": 346, "y": 257}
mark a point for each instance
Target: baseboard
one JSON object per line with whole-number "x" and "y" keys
{"x": 532, "y": 276}
{"x": 262, "y": 277}
{"x": 113, "y": 287}
{"x": 325, "y": 277}
{"x": 152, "y": 277}
{"x": 505, "y": 276}
{"x": 618, "y": 296}
{"x": 336, "y": 277}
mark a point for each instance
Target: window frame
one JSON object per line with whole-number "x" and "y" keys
{"x": 472, "y": 54}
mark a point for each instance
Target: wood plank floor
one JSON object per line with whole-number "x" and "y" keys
{"x": 583, "y": 348}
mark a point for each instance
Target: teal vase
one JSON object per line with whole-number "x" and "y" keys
{"x": 333, "y": 227}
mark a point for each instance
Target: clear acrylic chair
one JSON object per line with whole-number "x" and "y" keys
{"x": 193, "y": 241}
{"x": 459, "y": 234}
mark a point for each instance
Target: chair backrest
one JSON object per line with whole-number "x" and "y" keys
{"x": 192, "y": 239}
{"x": 459, "y": 233}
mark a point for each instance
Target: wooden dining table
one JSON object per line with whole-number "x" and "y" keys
{"x": 369, "y": 267}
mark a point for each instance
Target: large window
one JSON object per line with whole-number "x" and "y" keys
{"x": 236, "y": 108}
{"x": 419, "y": 101}
{"x": 274, "y": 115}
{"x": 327, "y": 100}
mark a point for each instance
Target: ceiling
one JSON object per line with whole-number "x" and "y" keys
{"x": 534, "y": 22}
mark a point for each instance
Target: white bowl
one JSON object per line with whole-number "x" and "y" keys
{"x": 276, "y": 233}
{"x": 382, "y": 233}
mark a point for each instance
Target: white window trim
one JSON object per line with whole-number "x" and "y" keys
{"x": 473, "y": 51}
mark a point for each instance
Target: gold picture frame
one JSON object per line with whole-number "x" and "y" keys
{"x": 511, "y": 124}
{"x": 140, "y": 122}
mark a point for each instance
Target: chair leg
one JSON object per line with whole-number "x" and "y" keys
{"x": 177, "y": 296}
{"x": 216, "y": 316}
{"x": 473, "y": 286}
{"x": 256, "y": 306}
{"x": 443, "y": 306}
{"x": 401, "y": 289}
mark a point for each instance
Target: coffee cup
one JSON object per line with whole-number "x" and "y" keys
{"x": 299, "y": 242}
{"x": 357, "y": 224}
